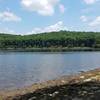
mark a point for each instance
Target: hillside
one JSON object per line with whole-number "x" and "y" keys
{"x": 61, "y": 39}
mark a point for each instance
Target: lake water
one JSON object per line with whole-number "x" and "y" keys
{"x": 19, "y": 69}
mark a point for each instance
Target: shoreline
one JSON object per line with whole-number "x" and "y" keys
{"x": 58, "y": 49}
{"x": 52, "y": 85}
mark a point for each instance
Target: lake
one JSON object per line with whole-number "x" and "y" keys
{"x": 19, "y": 69}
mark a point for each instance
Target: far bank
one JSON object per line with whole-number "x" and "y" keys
{"x": 50, "y": 49}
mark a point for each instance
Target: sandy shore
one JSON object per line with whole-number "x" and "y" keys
{"x": 83, "y": 86}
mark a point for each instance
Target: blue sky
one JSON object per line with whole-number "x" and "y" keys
{"x": 37, "y": 16}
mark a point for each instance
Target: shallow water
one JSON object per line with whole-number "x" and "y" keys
{"x": 19, "y": 69}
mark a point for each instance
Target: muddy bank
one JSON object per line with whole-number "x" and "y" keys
{"x": 83, "y": 86}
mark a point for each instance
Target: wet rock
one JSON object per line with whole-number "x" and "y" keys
{"x": 33, "y": 98}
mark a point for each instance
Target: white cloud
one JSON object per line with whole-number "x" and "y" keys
{"x": 51, "y": 28}
{"x": 95, "y": 22}
{"x": 9, "y": 16}
{"x": 84, "y": 18}
{"x": 43, "y": 7}
{"x": 55, "y": 27}
{"x": 62, "y": 8}
{"x": 90, "y": 1}
{"x": 7, "y": 31}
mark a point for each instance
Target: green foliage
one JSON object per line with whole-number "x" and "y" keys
{"x": 53, "y": 39}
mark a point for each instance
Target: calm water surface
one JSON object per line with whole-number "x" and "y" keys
{"x": 19, "y": 69}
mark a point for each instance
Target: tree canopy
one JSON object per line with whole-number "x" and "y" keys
{"x": 51, "y": 39}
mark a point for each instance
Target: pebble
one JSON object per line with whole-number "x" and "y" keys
{"x": 82, "y": 77}
{"x": 33, "y": 98}
{"x": 88, "y": 80}
{"x": 63, "y": 81}
{"x": 56, "y": 92}
{"x": 50, "y": 95}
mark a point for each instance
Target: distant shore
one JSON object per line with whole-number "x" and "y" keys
{"x": 58, "y": 49}
{"x": 83, "y": 86}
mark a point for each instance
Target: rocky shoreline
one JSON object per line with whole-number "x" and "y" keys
{"x": 83, "y": 86}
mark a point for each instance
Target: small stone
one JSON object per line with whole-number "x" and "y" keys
{"x": 63, "y": 81}
{"x": 56, "y": 92}
{"x": 88, "y": 80}
{"x": 50, "y": 95}
{"x": 33, "y": 98}
{"x": 82, "y": 77}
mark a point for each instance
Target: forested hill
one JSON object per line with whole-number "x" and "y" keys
{"x": 59, "y": 39}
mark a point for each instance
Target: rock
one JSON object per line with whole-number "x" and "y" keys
{"x": 33, "y": 98}
{"x": 88, "y": 80}
{"x": 82, "y": 77}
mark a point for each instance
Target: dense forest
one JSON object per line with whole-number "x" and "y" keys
{"x": 61, "y": 39}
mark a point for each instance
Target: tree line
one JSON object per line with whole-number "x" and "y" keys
{"x": 51, "y": 40}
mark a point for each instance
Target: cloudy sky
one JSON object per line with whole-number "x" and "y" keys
{"x": 37, "y": 16}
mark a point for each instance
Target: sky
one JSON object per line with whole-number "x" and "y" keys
{"x": 38, "y": 16}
